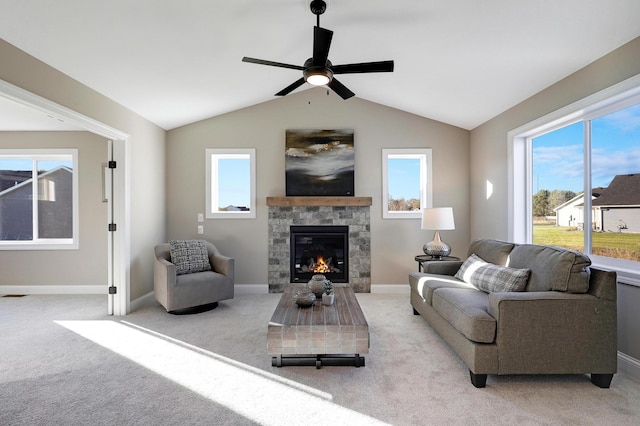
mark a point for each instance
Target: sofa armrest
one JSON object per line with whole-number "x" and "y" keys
{"x": 603, "y": 284}
{"x": 223, "y": 265}
{"x": 441, "y": 267}
{"x": 554, "y": 332}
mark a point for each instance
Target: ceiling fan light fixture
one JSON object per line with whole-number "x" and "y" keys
{"x": 318, "y": 77}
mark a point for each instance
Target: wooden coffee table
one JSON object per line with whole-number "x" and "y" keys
{"x": 318, "y": 335}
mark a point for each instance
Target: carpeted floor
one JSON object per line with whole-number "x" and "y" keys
{"x": 62, "y": 361}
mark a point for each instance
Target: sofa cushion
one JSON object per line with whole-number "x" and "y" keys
{"x": 467, "y": 310}
{"x": 552, "y": 268}
{"x": 189, "y": 256}
{"x": 492, "y": 251}
{"x": 424, "y": 284}
{"x": 492, "y": 278}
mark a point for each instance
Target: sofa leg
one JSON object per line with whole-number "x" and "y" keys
{"x": 415, "y": 312}
{"x": 478, "y": 380}
{"x": 602, "y": 380}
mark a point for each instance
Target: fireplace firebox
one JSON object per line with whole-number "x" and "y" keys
{"x": 319, "y": 250}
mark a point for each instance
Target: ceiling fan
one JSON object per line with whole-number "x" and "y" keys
{"x": 318, "y": 70}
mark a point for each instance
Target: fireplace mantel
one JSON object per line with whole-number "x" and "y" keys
{"x": 318, "y": 201}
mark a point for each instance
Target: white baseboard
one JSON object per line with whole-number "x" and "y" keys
{"x": 251, "y": 289}
{"x": 141, "y": 301}
{"x": 629, "y": 365}
{"x": 54, "y": 289}
{"x": 390, "y": 288}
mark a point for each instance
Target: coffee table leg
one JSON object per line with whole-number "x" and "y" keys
{"x": 319, "y": 360}
{"x": 276, "y": 361}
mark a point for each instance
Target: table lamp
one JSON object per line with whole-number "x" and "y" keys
{"x": 437, "y": 219}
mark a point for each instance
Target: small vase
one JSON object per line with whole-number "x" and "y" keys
{"x": 316, "y": 285}
{"x": 327, "y": 299}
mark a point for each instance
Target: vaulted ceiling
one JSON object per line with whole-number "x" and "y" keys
{"x": 179, "y": 61}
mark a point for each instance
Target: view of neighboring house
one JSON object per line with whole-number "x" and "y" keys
{"x": 571, "y": 212}
{"x": 614, "y": 209}
{"x": 618, "y": 207}
{"x": 55, "y": 204}
{"x": 9, "y": 178}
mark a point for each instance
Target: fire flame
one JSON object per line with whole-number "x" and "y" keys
{"x": 321, "y": 266}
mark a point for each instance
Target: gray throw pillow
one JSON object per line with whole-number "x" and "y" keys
{"x": 492, "y": 278}
{"x": 189, "y": 256}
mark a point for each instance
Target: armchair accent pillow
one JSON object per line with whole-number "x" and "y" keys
{"x": 189, "y": 256}
{"x": 492, "y": 278}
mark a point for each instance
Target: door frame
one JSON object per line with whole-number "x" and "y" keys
{"x": 119, "y": 257}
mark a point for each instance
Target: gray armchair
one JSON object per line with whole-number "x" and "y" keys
{"x": 178, "y": 291}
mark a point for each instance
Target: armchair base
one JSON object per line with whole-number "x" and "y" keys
{"x": 195, "y": 309}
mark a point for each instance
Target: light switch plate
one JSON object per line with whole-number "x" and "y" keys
{"x": 200, "y": 229}
{"x": 200, "y": 217}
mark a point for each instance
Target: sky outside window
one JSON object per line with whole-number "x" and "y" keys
{"x": 558, "y": 155}
{"x": 234, "y": 182}
{"x": 404, "y": 178}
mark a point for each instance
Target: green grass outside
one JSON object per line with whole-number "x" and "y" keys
{"x": 610, "y": 244}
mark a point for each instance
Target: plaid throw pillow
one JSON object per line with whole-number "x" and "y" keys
{"x": 189, "y": 256}
{"x": 492, "y": 278}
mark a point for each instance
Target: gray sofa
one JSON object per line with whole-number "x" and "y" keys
{"x": 564, "y": 322}
{"x": 178, "y": 290}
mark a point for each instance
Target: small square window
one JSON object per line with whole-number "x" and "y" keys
{"x": 406, "y": 182}
{"x": 231, "y": 183}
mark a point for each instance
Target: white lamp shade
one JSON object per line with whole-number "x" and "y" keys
{"x": 438, "y": 219}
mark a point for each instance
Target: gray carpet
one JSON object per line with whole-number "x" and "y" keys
{"x": 62, "y": 361}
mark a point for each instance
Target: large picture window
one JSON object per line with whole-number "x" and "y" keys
{"x": 406, "y": 182}
{"x": 580, "y": 171}
{"x": 231, "y": 183}
{"x": 38, "y": 199}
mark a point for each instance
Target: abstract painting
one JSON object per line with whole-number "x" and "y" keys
{"x": 319, "y": 163}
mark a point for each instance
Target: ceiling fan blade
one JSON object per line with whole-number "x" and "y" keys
{"x": 321, "y": 44}
{"x": 340, "y": 89}
{"x": 381, "y": 66}
{"x": 290, "y": 88}
{"x": 271, "y": 63}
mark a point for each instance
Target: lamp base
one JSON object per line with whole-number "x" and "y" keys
{"x": 437, "y": 248}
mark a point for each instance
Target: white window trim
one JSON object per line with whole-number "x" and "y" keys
{"x": 211, "y": 172}
{"x": 49, "y": 243}
{"x": 621, "y": 95}
{"x": 426, "y": 181}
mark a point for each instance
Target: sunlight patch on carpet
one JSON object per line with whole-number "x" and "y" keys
{"x": 257, "y": 395}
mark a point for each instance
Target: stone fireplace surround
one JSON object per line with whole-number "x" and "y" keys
{"x": 353, "y": 212}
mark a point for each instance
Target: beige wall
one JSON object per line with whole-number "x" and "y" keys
{"x": 489, "y": 141}
{"x": 88, "y": 264}
{"x": 147, "y": 148}
{"x": 394, "y": 242}
{"x": 489, "y": 154}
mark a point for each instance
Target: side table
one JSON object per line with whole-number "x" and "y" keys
{"x": 426, "y": 258}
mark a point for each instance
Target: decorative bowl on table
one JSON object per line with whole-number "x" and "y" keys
{"x": 304, "y": 298}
